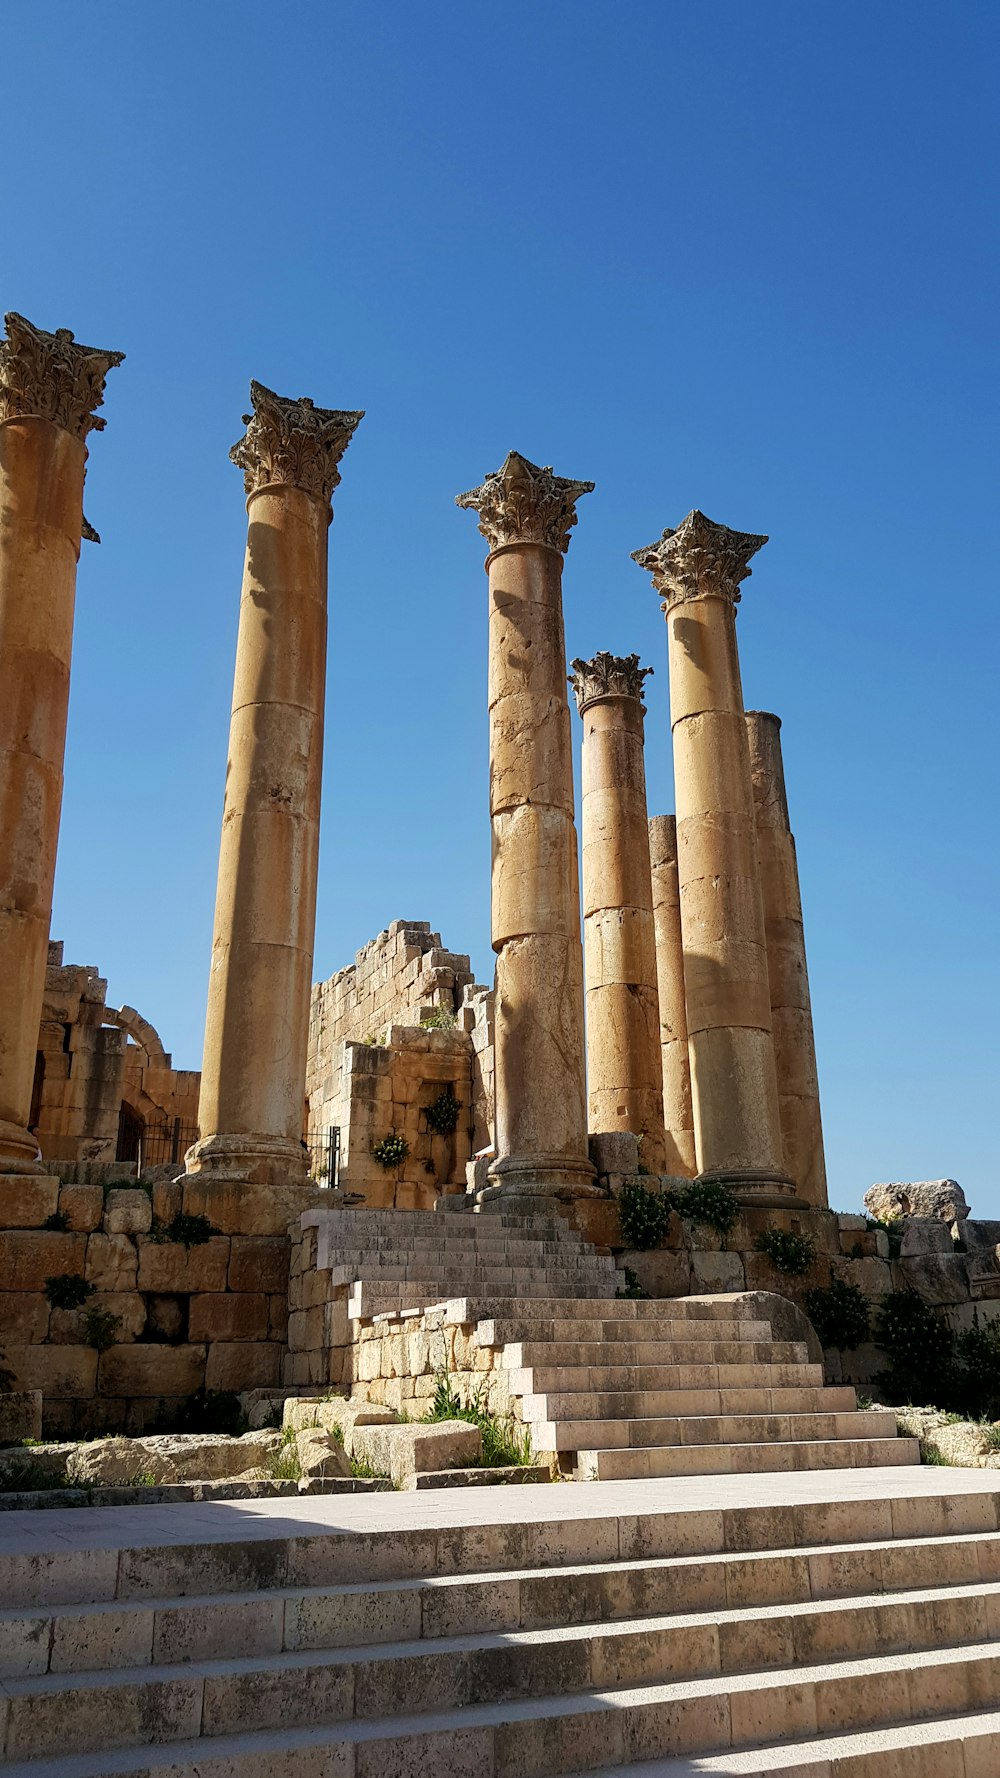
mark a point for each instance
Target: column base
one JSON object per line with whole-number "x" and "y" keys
{"x": 545, "y": 1177}
{"x": 249, "y": 1160}
{"x": 765, "y": 1186}
{"x": 19, "y": 1152}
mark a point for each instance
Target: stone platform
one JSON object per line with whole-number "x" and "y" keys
{"x": 826, "y": 1626}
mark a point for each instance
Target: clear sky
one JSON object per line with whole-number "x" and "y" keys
{"x": 739, "y": 256}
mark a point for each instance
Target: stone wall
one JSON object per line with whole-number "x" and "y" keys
{"x": 93, "y": 1060}
{"x": 210, "y": 1315}
{"x": 378, "y": 1090}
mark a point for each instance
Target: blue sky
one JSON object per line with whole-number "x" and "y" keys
{"x": 739, "y": 256}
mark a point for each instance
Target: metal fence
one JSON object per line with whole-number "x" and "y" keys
{"x": 324, "y": 1156}
{"x": 153, "y": 1145}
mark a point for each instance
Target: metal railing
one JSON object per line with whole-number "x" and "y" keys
{"x": 324, "y": 1155}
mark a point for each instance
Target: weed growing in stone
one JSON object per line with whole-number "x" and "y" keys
{"x": 840, "y": 1315}
{"x": 58, "y": 1222}
{"x": 100, "y": 1329}
{"x": 391, "y": 1151}
{"x": 709, "y": 1203}
{"x": 442, "y": 1112}
{"x": 506, "y": 1442}
{"x": 643, "y": 1217}
{"x": 68, "y": 1290}
{"x": 787, "y": 1251}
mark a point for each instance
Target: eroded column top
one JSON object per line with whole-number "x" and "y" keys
{"x": 607, "y": 676}
{"x": 523, "y": 502}
{"x": 291, "y": 442}
{"x": 699, "y": 560}
{"x": 50, "y": 376}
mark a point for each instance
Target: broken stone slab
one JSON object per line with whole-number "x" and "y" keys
{"x": 515, "y": 1474}
{"x": 401, "y": 1452}
{"x": 937, "y": 1278}
{"x": 128, "y": 1213}
{"x": 170, "y": 1457}
{"x": 336, "y": 1413}
{"x": 964, "y": 1443}
{"x": 321, "y": 1456}
{"x": 34, "y": 1466}
{"x": 942, "y": 1198}
{"x": 20, "y": 1415}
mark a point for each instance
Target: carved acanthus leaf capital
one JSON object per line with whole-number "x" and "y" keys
{"x": 699, "y": 560}
{"x": 49, "y": 376}
{"x": 607, "y": 676}
{"x": 293, "y": 442}
{"x": 522, "y": 502}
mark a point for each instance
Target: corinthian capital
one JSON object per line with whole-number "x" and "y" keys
{"x": 699, "y": 560}
{"x": 607, "y": 676}
{"x": 293, "y": 442}
{"x": 51, "y": 377}
{"x": 523, "y": 503}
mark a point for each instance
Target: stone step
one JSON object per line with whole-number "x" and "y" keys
{"x": 546, "y": 1322}
{"x": 163, "y": 1701}
{"x": 370, "y": 1297}
{"x": 757, "y": 1398}
{"x": 539, "y": 1735}
{"x": 951, "y": 1747}
{"x": 646, "y": 1419}
{"x": 641, "y": 1463}
{"x": 489, "y": 1281}
{"x": 628, "y": 1355}
{"x": 621, "y": 1348}
{"x": 136, "y": 1633}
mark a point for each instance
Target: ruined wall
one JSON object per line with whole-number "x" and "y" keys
{"x": 379, "y": 1090}
{"x": 93, "y": 1060}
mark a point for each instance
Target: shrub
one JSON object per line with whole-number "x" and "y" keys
{"x": 212, "y": 1410}
{"x": 710, "y": 1203}
{"x": 840, "y": 1315}
{"x": 442, "y": 1112}
{"x": 642, "y": 1217}
{"x": 100, "y": 1328}
{"x": 58, "y": 1222}
{"x": 631, "y": 1290}
{"x": 391, "y": 1151}
{"x": 506, "y": 1442}
{"x": 787, "y": 1252}
{"x": 191, "y": 1231}
{"x": 68, "y": 1290}
{"x": 441, "y": 1019}
{"x": 977, "y": 1352}
{"x": 920, "y": 1350}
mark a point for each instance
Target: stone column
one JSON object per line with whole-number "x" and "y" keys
{"x": 624, "y": 1078}
{"x": 253, "y": 1078}
{"x": 678, "y": 1116}
{"x": 791, "y": 1009}
{"x": 525, "y": 514}
{"x": 49, "y": 387}
{"x": 698, "y": 569}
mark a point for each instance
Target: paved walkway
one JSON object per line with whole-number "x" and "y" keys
{"x": 232, "y": 1521}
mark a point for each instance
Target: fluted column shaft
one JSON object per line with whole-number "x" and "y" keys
{"x": 541, "y": 1120}
{"x": 624, "y": 1079}
{"x": 678, "y": 1116}
{"x": 48, "y": 385}
{"x": 256, "y": 1030}
{"x": 788, "y": 976}
{"x": 733, "y": 1077}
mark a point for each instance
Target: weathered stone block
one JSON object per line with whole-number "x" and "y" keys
{"x": 152, "y": 1370}
{"x": 128, "y": 1213}
{"x": 712, "y": 1272}
{"x": 936, "y": 1277}
{"x": 29, "y": 1256}
{"x": 82, "y": 1205}
{"x": 259, "y": 1263}
{"x": 660, "y": 1273}
{"x": 943, "y": 1198}
{"x": 227, "y": 1316}
{"x": 167, "y": 1318}
{"x": 923, "y": 1235}
{"x": 60, "y": 1371}
{"x": 112, "y": 1262}
{"x": 20, "y": 1416}
{"x": 241, "y": 1209}
{"x": 24, "y": 1317}
{"x": 168, "y": 1199}
{"x": 233, "y": 1365}
{"x": 167, "y": 1266}
{"x": 321, "y": 1457}
{"x": 404, "y": 1451}
{"x": 26, "y": 1199}
{"x": 617, "y": 1151}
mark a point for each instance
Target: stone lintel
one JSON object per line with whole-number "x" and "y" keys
{"x": 50, "y": 376}
{"x": 699, "y": 560}
{"x": 292, "y": 442}
{"x": 607, "y": 676}
{"x": 523, "y": 502}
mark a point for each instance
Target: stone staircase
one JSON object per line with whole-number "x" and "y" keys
{"x": 613, "y": 1389}
{"x": 673, "y": 1633}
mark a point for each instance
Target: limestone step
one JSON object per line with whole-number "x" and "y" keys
{"x": 370, "y": 1297}
{"x": 951, "y": 1747}
{"x": 646, "y": 1418}
{"x": 534, "y": 1736}
{"x": 653, "y": 1348}
{"x": 683, "y": 1377}
{"x": 606, "y": 1316}
{"x": 684, "y": 1404}
{"x": 163, "y": 1701}
{"x": 639, "y": 1380}
{"x": 138, "y": 1632}
{"x": 641, "y": 1463}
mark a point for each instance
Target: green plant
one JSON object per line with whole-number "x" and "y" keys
{"x": 58, "y": 1222}
{"x": 840, "y": 1315}
{"x": 643, "y": 1217}
{"x": 442, "y": 1113}
{"x": 631, "y": 1290}
{"x": 191, "y": 1231}
{"x": 391, "y": 1151}
{"x": 920, "y": 1349}
{"x": 787, "y": 1251}
{"x": 506, "y": 1442}
{"x": 373, "y": 1042}
{"x": 144, "y": 1479}
{"x": 212, "y": 1410}
{"x": 286, "y": 1465}
{"x": 441, "y": 1019}
{"x": 977, "y": 1353}
{"x": 100, "y": 1328}
{"x": 710, "y": 1203}
{"x": 893, "y": 1228}
{"x": 68, "y": 1290}
{"x": 362, "y": 1471}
